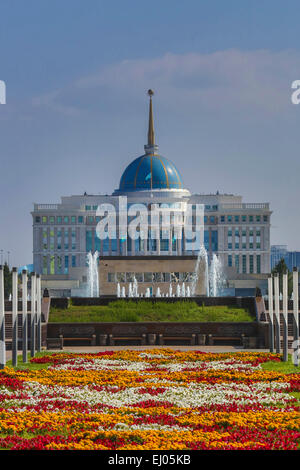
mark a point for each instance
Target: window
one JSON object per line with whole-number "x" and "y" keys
{"x": 265, "y": 218}
{"x": 80, "y": 219}
{"x": 45, "y": 239}
{"x": 73, "y": 219}
{"x": 157, "y": 277}
{"x": 59, "y": 265}
{"x": 66, "y": 219}
{"x": 147, "y": 277}
{"x": 58, "y": 239}
{"x": 251, "y": 264}
{"x": 111, "y": 277}
{"x": 73, "y": 261}
{"x": 91, "y": 219}
{"x": 45, "y": 265}
{"x": 236, "y": 218}
{"x": 37, "y": 220}
{"x": 244, "y": 218}
{"x": 88, "y": 240}
{"x": 44, "y": 219}
{"x": 244, "y": 260}
{"x": 250, "y": 218}
{"x": 237, "y": 263}
{"x": 52, "y": 240}
{"x": 114, "y": 244}
{"x": 66, "y": 239}
{"x": 258, "y": 267}
{"x": 222, "y": 218}
{"x": 212, "y": 219}
{"x": 258, "y": 218}
{"x": 229, "y": 218}
{"x": 214, "y": 240}
{"x": 95, "y": 208}
{"x": 52, "y": 265}
{"x": 139, "y": 277}
{"x": 66, "y": 264}
{"x": 59, "y": 219}
{"x": 230, "y": 260}
{"x": 51, "y": 219}
{"x": 120, "y": 277}
{"x": 87, "y": 208}
{"x": 174, "y": 277}
{"x": 73, "y": 235}
{"x": 166, "y": 277}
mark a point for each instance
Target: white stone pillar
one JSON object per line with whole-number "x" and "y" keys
{"x": 2, "y": 321}
{"x": 38, "y": 313}
{"x": 271, "y": 316}
{"x": 24, "y": 315}
{"x": 14, "y": 316}
{"x": 296, "y": 317}
{"x": 285, "y": 315}
{"x": 33, "y": 311}
{"x": 277, "y": 313}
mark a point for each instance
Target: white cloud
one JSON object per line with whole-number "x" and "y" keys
{"x": 230, "y": 79}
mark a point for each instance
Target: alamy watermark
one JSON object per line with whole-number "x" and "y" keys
{"x": 295, "y": 97}
{"x": 2, "y": 92}
{"x": 174, "y": 221}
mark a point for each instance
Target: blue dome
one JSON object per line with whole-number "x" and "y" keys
{"x": 150, "y": 172}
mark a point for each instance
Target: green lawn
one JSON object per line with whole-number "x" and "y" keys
{"x": 123, "y": 311}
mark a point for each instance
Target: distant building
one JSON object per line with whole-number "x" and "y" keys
{"x": 291, "y": 258}
{"x": 278, "y": 252}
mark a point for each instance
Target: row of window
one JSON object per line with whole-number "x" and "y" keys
{"x": 59, "y": 219}
{"x": 73, "y": 219}
{"x": 243, "y": 218}
{"x": 58, "y": 264}
{"x": 150, "y": 277}
{"x": 243, "y": 267}
{"x": 63, "y": 241}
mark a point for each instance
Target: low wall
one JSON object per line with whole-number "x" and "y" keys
{"x": 249, "y": 329}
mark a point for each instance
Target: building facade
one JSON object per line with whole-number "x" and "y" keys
{"x": 237, "y": 232}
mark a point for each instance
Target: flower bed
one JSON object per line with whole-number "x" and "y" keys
{"x": 149, "y": 400}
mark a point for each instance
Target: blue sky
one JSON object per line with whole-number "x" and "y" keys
{"x": 77, "y": 72}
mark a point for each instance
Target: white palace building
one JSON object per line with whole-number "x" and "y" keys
{"x": 237, "y": 232}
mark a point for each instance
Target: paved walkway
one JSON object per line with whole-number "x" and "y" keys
{"x": 95, "y": 349}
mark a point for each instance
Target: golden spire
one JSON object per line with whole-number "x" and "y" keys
{"x": 151, "y": 138}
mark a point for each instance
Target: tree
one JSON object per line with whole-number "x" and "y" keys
{"x": 7, "y": 281}
{"x": 281, "y": 268}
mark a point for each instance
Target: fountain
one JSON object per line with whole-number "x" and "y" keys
{"x": 123, "y": 292}
{"x": 201, "y": 259}
{"x": 118, "y": 290}
{"x": 93, "y": 275}
{"x": 135, "y": 288}
{"x": 158, "y": 294}
{"x": 147, "y": 292}
{"x": 170, "y": 290}
{"x": 216, "y": 279}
